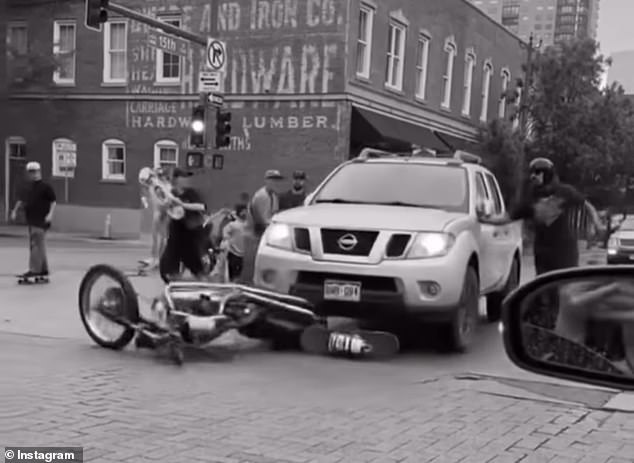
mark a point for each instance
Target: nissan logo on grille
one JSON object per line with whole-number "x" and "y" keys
{"x": 347, "y": 242}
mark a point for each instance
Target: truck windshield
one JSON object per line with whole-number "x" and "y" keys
{"x": 399, "y": 184}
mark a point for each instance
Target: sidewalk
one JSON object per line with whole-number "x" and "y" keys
{"x": 18, "y": 231}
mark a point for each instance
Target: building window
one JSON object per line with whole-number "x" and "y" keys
{"x": 364, "y": 41}
{"x": 115, "y": 52}
{"x": 17, "y": 39}
{"x": 506, "y": 79}
{"x": 486, "y": 87}
{"x": 113, "y": 160}
{"x": 395, "y": 52}
{"x": 168, "y": 66}
{"x": 64, "y": 51}
{"x": 450, "y": 50}
{"x": 470, "y": 62}
{"x": 64, "y": 155}
{"x": 16, "y": 147}
{"x": 165, "y": 154}
{"x": 422, "y": 61}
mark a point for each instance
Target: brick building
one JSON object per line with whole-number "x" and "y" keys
{"x": 308, "y": 82}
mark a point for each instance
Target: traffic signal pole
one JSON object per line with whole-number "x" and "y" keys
{"x": 153, "y": 22}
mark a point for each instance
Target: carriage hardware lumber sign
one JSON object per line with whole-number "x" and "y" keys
{"x": 216, "y": 55}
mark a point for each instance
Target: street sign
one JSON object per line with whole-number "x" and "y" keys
{"x": 216, "y": 55}
{"x": 217, "y": 100}
{"x": 66, "y": 155}
{"x": 168, "y": 43}
{"x": 209, "y": 81}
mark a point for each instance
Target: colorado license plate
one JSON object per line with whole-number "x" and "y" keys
{"x": 349, "y": 291}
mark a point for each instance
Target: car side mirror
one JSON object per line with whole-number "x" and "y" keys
{"x": 575, "y": 324}
{"x": 484, "y": 208}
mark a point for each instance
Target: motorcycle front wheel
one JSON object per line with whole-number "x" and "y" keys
{"x": 113, "y": 303}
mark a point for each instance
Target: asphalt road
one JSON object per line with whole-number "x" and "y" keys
{"x": 251, "y": 405}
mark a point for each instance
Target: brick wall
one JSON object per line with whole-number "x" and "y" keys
{"x": 305, "y": 56}
{"x": 440, "y": 19}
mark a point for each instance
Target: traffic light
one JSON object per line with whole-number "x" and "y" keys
{"x": 195, "y": 160}
{"x": 223, "y": 128}
{"x": 96, "y": 13}
{"x": 197, "y": 135}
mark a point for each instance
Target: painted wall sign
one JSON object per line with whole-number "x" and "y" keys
{"x": 273, "y": 46}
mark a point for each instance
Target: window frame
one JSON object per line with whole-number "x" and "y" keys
{"x": 107, "y": 63}
{"x": 370, "y": 11}
{"x": 12, "y": 25}
{"x": 15, "y": 141}
{"x": 160, "y": 55}
{"x": 165, "y": 143}
{"x": 393, "y": 26}
{"x": 487, "y": 76}
{"x": 105, "y": 160}
{"x": 422, "y": 64}
{"x": 451, "y": 50}
{"x": 467, "y": 89}
{"x": 505, "y": 75}
{"x": 57, "y": 25}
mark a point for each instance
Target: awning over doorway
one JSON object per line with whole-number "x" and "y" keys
{"x": 452, "y": 143}
{"x": 370, "y": 129}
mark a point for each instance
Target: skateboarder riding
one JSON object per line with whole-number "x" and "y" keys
{"x": 38, "y": 201}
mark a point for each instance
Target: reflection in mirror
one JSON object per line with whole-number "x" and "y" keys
{"x": 583, "y": 322}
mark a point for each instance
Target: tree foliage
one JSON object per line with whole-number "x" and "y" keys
{"x": 586, "y": 130}
{"x": 503, "y": 148}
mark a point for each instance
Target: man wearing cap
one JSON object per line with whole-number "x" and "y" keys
{"x": 185, "y": 236}
{"x": 297, "y": 194}
{"x": 38, "y": 201}
{"x": 262, "y": 207}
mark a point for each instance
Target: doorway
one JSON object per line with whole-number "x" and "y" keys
{"x": 14, "y": 163}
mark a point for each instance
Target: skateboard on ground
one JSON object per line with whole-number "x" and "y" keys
{"x": 32, "y": 280}
{"x": 319, "y": 339}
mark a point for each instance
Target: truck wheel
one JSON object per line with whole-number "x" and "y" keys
{"x": 494, "y": 300}
{"x": 465, "y": 319}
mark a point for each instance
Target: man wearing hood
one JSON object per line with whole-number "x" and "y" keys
{"x": 549, "y": 205}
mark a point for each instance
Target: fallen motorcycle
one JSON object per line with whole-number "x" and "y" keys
{"x": 188, "y": 313}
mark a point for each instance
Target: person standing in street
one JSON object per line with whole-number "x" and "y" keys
{"x": 261, "y": 209}
{"x": 297, "y": 194}
{"x": 549, "y": 206}
{"x": 233, "y": 241}
{"x": 38, "y": 202}
{"x": 160, "y": 222}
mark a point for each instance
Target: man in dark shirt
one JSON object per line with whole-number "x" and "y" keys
{"x": 549, "y": 206}
{"x": 38, "y": 201}
{"x": 296, "y": 195}
{"x": 186, "y": 238}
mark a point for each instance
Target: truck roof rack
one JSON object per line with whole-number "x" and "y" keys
{"x": 470, "y": 158}
{"x": 374, "y": 153}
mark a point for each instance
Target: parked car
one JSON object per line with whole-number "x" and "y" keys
{"x": 575, "y": 324}
{"x": 398, "y": 236}
{"x": 620, "y": 247}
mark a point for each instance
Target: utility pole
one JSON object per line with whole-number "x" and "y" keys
{"x": 524, "y": 107}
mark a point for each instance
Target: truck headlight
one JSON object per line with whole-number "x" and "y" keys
{"x": 431, "y": 245}
{"x": 278, "y": 235}
{"x": 613, "y": 245}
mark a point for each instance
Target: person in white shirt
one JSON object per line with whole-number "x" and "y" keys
{"x": 160, "y": 222}
{"x": 233, "y": 241}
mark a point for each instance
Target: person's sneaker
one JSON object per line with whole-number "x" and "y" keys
{"x": 143, "y": 341}
{"x": 347, "y": 343}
